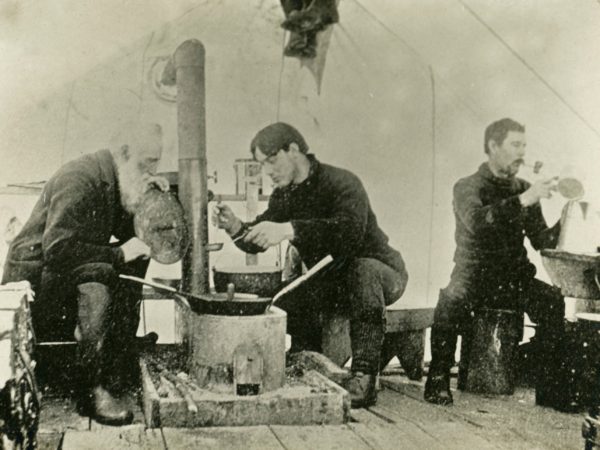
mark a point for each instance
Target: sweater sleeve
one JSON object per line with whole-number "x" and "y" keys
{"x": 341, "y": 231}
{"x": 275, "y": 212}
{"x": 71, "y": 234}
{"x": 478, "y": 217}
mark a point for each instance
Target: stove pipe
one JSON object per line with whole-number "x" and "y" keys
{"x": 193, "y": 192}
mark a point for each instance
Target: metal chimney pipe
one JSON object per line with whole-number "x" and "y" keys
{"x": 193, "y": 191}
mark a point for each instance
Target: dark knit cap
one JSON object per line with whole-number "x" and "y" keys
{"x": 275, "y": 137}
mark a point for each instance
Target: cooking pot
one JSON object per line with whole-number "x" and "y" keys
{"x": 263, "y": 281}
{"x": 574, "y": 273}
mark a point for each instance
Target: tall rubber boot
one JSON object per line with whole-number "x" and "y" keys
{"x": 93, "y": 301}
{"x": 443, "y": 347}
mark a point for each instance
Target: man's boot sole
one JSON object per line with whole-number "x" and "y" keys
{"x": 113, "y": 421}
{"x": 437, "y": 400}
{"x": 365, "y": 403}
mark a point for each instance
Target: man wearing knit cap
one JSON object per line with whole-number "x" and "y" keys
{"x": 324, "y": 210}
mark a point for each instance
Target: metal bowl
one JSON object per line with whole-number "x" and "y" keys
{"x": 574, "y": 273}
{"x": 263, "y": 281}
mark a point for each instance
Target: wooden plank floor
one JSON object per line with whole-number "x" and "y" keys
{"x": 401, "y": 419}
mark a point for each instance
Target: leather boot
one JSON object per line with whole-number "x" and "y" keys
{"x": 443, "y": 346}
{"x": 437, "y": 389}
{"x": 108, "y": 410}
{"x": 93, "y": 300}
{"x": 315, "y": 17}
{"x": 296, "y": 45}
{"x": 361, "y": 387}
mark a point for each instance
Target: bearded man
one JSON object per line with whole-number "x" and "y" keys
{"x": 77, "y": 240}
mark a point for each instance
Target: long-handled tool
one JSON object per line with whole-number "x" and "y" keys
{"x": 298, "y": 281}
{"x": 220, "y": 304}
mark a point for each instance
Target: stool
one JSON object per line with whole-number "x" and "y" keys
{"x": 493, "y": 342}
{"x": 404, "y": 338}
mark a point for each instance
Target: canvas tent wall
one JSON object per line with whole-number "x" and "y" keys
{"x": 408, "y": 89}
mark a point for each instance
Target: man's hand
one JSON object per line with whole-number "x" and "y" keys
{"x": 538, "y": 190}
{"x": 268, "y": 234}
{"x": 133, "y": 249}
{"x": 224, "y": 218}
{"x": 160, "y": 182}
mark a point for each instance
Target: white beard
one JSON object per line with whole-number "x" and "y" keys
{"x": 132, "y": 186}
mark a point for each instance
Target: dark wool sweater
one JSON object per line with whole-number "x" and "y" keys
{"x": 72, "y": 222}
{"x": 491, "y": 225}
{"x": 331, "y": 214}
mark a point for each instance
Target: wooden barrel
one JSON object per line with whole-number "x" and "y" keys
{"x": 494, "y": 344}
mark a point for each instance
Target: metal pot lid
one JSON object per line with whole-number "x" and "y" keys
{"x": 248, "y": 269}
{"x": 160, "y": 223}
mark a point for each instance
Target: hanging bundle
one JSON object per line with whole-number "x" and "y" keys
{"x": 304, "y": 19}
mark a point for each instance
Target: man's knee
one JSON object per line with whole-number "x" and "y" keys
{"x": 545, "y": 303}
{"x": 103, "y": 273}
{"x": 372, "y": 272}
{"x": 365, "y": 289}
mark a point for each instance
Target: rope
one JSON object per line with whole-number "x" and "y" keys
{"x": 66, "y": 130}
{"x": 425, "y": 64}
{"x": 433, "y": 165}
{"x": 143, "y": 74}
{"x": 415, "y": 53}
{"x": 280, "y": 77}
{"x": 529, "y": 67}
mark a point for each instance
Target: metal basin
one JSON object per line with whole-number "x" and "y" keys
{"x": 263, "y": 281}
{"x": 574, "y": 273}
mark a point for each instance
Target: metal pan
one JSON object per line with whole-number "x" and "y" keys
{"x": 264, "y": 281}
{"x": 218, "y": 304}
